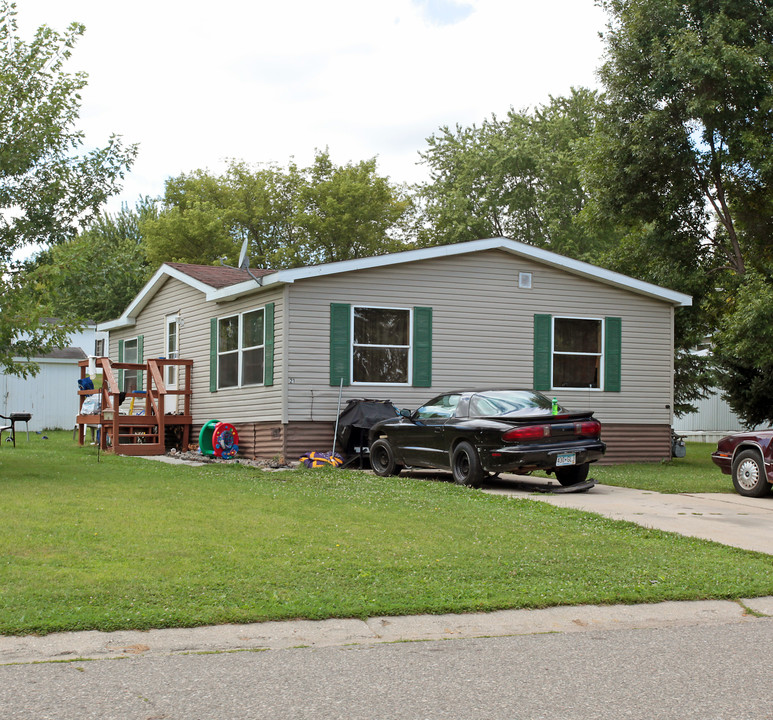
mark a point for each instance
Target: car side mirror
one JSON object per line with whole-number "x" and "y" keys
{"x": 404, "y": 412}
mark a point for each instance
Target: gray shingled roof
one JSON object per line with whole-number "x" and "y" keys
{"x": 70, "y": 353}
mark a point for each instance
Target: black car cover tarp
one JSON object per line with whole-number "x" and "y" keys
{"x": 357, "y": 418}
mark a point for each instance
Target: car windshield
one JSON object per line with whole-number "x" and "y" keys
{"x": 509, "y": 402}
{"x": 440, "y": 407}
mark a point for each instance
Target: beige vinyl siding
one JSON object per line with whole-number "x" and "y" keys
{"x": 235, "y": 405}
{"x": 482, "y": 333}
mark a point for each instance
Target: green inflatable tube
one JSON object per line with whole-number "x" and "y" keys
{"x": 205, "y": 437}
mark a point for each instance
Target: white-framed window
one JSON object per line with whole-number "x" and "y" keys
{"x": 241, "y": 341}
{"x": 172, "y": 345}
{"x": 381, "y": 345}
{"x": 578, "y": 352}
{"x": 131, "y": 355}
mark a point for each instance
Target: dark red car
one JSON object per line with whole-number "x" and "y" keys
{"x": 748, "y": 458}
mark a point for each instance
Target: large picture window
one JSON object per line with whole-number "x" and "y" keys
{"x": 241, "y": 349}
{"x": 381, "y": 345}
{"x": 577, "y": 352}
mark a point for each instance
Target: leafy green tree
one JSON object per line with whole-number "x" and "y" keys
{"x": 194, "y": 232}
{"x": 346, "y": 212}
{"x": 96, "y": 275}
{"x": 743, "y": 351}
{"x": 681, "y": 161}
{"x": 47, "y": 190}
{"x": 206, "y": 217}
{"x": 290, "y": 216}
{"x": 687, "y": 140}
{"x": 516, "y": 177}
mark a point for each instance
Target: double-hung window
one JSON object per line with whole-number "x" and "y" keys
{"x": 172, "y": 342}
{"x": 381, "y": 345}
{"x": 577, "y": 352}
{"x": 131, "y": 378}
{"x": 241, "y": 341}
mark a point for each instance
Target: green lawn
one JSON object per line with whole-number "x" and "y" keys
{"x": 131, "y": 543}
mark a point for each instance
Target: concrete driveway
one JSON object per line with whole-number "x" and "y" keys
{"x": 726, "y": 518}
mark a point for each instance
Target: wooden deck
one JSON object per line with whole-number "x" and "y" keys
{"x": 139, "y": 425}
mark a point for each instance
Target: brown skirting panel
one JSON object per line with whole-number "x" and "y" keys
{"x": 261, "y": 440}
{"x": 636, "y": 443}
{"x": 256, "y": 440}
{"x": 305, "y": 436}
{"x": 267, "y": 440}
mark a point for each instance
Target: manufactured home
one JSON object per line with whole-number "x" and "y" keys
{"x": 272, "y": 352}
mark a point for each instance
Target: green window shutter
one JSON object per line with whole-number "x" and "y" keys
{"x": 422, "y": 347}
{"x": 140, "y": 359}
{"x": 213, "y": 355}
{"x": 268, "y": 360}
{"x": 120, "y": 360}
{"x": 543, "y": 341}
{"x": 613, "y": 341}
{"x": 340, "y": 343}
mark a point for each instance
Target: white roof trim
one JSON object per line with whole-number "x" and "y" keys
{"x": 49, "y": 361}
{"x": 514, "y": 247}
{"x": 151, "y": 287}
{"x": 546, "y": 257}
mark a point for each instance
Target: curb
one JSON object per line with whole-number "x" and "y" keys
{"x": 94, "y": 645}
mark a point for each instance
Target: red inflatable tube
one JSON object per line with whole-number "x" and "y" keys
{"x": 225, "y": 441}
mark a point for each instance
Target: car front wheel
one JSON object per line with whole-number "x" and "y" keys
{"x": 382, "y": 459}
{"x": 749, "y": 477}
{"x": 572, "y": 475}
{"x": 465, "y": 466}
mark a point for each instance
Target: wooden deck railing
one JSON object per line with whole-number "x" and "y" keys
{"x": 137, "y": 431}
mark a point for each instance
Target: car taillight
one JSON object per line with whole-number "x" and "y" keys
{"x": 589, "y": 428}
{"x": 528, "y": 432}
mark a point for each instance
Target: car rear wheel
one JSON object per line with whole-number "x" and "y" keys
{"x": 573, "y": 474}
{"x": 465, "y": 466}
{"x": 382, "y": 459}
{"x": 749, "y": 477}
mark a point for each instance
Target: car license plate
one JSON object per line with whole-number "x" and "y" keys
{"x": 564, "y": 459}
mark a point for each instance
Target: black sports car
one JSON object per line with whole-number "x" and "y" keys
{"x": 488, "y": 431}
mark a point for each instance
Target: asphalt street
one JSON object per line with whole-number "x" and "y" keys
{"x": 704, "y": 671}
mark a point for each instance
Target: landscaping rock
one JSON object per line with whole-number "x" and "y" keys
{"x": 199, "y": 457}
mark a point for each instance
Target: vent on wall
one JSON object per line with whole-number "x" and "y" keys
{"x": 524, "y": 280}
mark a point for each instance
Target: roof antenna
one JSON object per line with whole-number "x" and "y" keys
{"x": 244, "y": 261}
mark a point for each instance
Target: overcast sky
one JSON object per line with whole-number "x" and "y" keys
{"x": 196, "y": 82}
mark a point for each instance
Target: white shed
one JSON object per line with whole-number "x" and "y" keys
{"x": 50, "y": 396}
